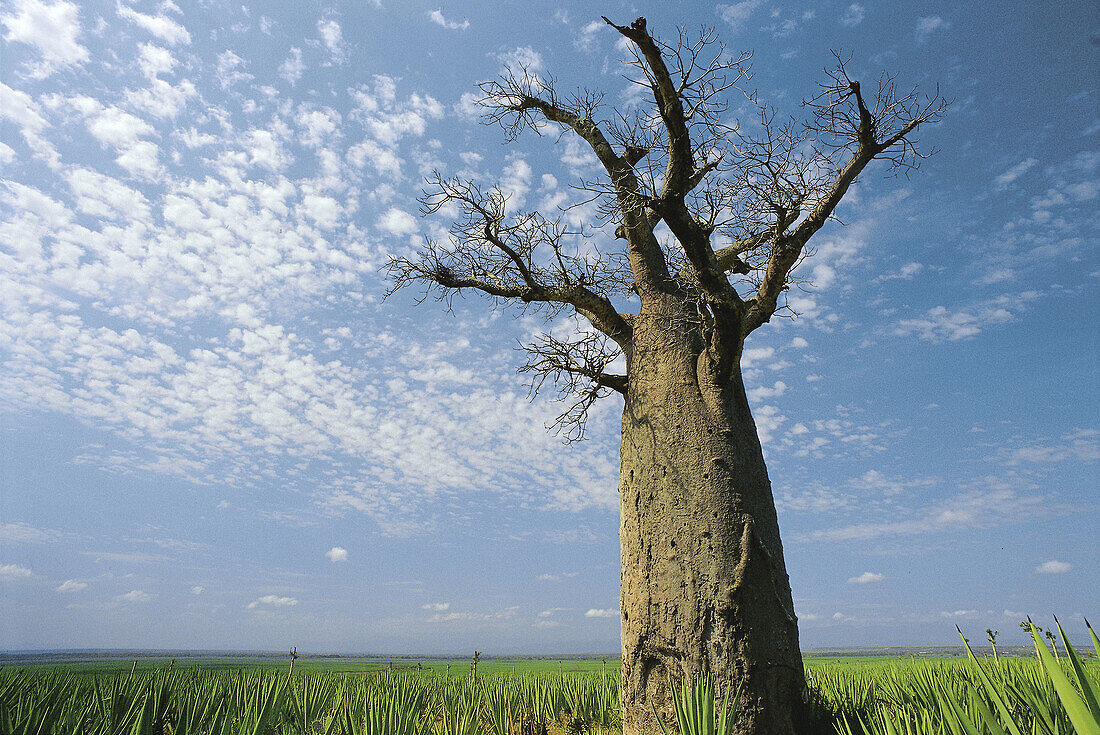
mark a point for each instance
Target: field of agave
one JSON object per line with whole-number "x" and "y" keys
{"x": 1048, "y": 694}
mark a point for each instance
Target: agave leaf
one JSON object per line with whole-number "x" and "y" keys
{"x": 1087, "y": 691}
{"x": 964, "y": 725}
{"x": 987, "y": 684}
{"x": 988, "y": 719}
{"x": 887, "y": 723}
{"x": 1079, "y": 714}
{"x": 1095, "y": 640}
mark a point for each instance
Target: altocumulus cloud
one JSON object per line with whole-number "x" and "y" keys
{"x": 596, "y": 612}
{"x": 1053, "y": 567}
{"x": 866, "y": 578}
{"x": 134, "y": 596}
{"x": 397, "y": 222}
{"x": 51, "y": 29}
{"x": 71, "y": 585}
{"x": 337, "y": 553}
{"x": 14, "y": 571}
{"x": 272, "y": 601}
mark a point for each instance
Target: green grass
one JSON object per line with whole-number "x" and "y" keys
{"x": 1035, "y": 695}
{"x": 345, "y": 665}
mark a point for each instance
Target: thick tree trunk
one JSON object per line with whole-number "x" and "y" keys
{"x": 704, "y": 586}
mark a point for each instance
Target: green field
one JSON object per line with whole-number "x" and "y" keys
{"x": 405, "y": 696}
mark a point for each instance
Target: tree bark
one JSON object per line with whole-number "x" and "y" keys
{"x": 704, "y": 587}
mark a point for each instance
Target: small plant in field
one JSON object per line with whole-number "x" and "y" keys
{"x": 293, "y": 658}
{"x": 1027, "y": 626}
{"x": 1053, "y": 645}
{"x": 473, "y": 665}
{"x": 991, "y": 636}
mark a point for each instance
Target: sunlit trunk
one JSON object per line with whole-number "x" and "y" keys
{"x": 704, "y": 587}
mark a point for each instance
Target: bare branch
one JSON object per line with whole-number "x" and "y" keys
{"x": 578, "y": 369}
{"x": 742, "y": 201}
{"x": 512, "y": 102}
{"x": 844, "y": 124}
{"x": 681, "y": 175}
{"x": 521, "y": 257}
{"x": 681, "y": 162}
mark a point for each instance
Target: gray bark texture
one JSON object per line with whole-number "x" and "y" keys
{"x": 704, "y": 587}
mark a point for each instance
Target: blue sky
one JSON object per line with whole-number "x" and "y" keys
{"x": 215, "y": 434}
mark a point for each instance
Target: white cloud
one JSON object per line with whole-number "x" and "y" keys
{"x": 229, "y": 69}
{"x": 324, "y": 211}
{"x": 752, "y": 356}
{"x": 929, "y": 24}
{"x": 449, "y": 617}
{"x": 14, "y": 571}
{"x": 134, "y": 596}
{"x": 1082, "y": 445}
{"x": 436, "y": 606}
{"x": 71, "y": 585}
{"x": 866, "y": 578}
{"x": 117, "y": 128}
{"x": 272, "y": 601}
{"x": 333, "y": 38}
{"x": 103, "y": 196}
{"x": 762, "y": 392}
{"x": 397, "y": 222}
{"x": 1015, "y": 172}
{"x": 26, "y": 533}
{"x": 51, "y": 29}
{"x": 907, "y": 272}
{"x": 198, "y": 589}
{"x": 436, "y": 16}
{"x": 160, "y": 26}
{"x": 586, "y": 38}
{"x": 161, "y": 99}
{"x": 155, "y": 60}
{"x": 387, "y": 120}
{"x": 336, "y": 554}
{"x": 991, "y": 502}
{"x": 468, "y": 107}
{"x": 522, "y": 61}
{"x": 853, "y": 16}
{"x": 18, "y": 107}
{"x": 610, "y": 612}
{"x": 737, "y": 14}
{"x": 938, "y": 323}
{"x": 386, "y": 162}
{"x": 231, "y": 249}
{"x": 266, "y": 149}
{"x": 141, "y": 159}
{"x": 799, "y": 343}
{"x": 291, "y": 69}
{"x": 516, "y": 181}
{"x": 1054, "y": 567}
{"x": 319, "y": 126}
{"x": 122, "y": 131}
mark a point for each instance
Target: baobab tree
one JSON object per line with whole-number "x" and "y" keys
{"x": 697, "y": 225}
